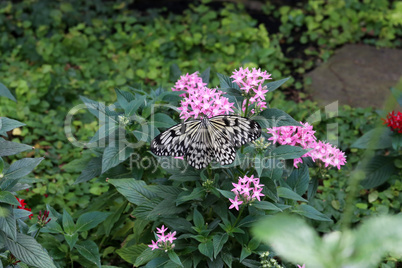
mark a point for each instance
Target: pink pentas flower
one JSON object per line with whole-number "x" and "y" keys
{"x": 164, "y": 241}
{"x": 200, "y": 100}
{"x": 252, "y": 83}
{"x": 304, "y": 137}
{"x": 246, "y": 190}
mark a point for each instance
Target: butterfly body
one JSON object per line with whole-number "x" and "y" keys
{"x": 204, "y": 140}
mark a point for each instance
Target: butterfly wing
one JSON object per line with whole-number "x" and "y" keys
{"x": 175, "y": 140}
{"x": 239, "y": 130}
{"x": 200, "y": 150}
{"x": 230, "y": 131}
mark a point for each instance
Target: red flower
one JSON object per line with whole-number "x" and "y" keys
{"x": 22, "y": 206}
{"x": 394, "y": 121}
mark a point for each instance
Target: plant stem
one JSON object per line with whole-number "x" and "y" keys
{"x": 238, "y": 216}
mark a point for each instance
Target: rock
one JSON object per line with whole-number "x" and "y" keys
{"x": 357, "y": 75}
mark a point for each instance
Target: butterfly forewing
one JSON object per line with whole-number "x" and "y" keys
{"x": 175, "y": 140}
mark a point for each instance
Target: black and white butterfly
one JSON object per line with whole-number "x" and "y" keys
{"x": 204, "y": 140}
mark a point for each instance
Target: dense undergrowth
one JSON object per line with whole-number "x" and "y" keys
{"x": 52, "y": 52}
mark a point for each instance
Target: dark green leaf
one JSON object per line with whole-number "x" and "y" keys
{"x": 134, "y": 105}
{"x": 227, "y": 194}
{"x": 26, "y": 249}
{"x": 310, "y": 212}
{"x": 124, "y": 97}
{"x": 271, "y": 86}
{"x": 196, "y": 194}
{"x": 6, "y": 93}
{"x": 71, "y": 239}
{"x": 397, "y": 141}
{"x": 206, "y": 249}
{"x": 174, "y": 72}
{"x": 289, "y": 194}
{"x": 7, "y": 221}
{"x": 112, "y": 156}
{"x": 161, "y": 120}
{"x": 288, "y": 152}
{"x": 174, "y": 258}
{"x": 219, "y": 241}
{"x": 68, "y": 223}
{"x": 245, "y": 252}
{"x": 130, "y": 253}
{"x": 90, "y": 220}
{"x": 11, "y": 148}
{"x": 198, "y": 219}
{"x": 133, "y": 190}
{"x": 272, "y": 117}
{"x": 378, "y": 170}
{"x": 7, "y": 124}
{"x": 92, "y": 170}
{"x": 299, "y": 179}
{"x": 89, "y": 250}
{"x": 146, "y": 255}
{"x": 21, "y": 168}
{"x": 205, "y": 75}
{"x": 265, "y": 205}
{"x": 8, "y": 198}
{"x": 227, "y": 82}
{"x": 377, "y": 138}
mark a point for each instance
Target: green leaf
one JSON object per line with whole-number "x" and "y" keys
{"x": 397, "y": 93}
{"x": 114, "y": 217}
{"x": 227, "y": 82}
{"x": 207, "y": 249}
{"x": 52, "y": 227}
{"x": 99, "y": 110}
{"x": 90, "y": 220}
{"x": 146, "y": 255}
{"x": 71, "y": 239}
{"x": 198, "y": 219}
{"x": 227, "y": 194}
{"x": 397, "y": 141}
{"x": 265, "y": 205}
{"x": 68, "y": 223}
{"x": 161, "y": 120}
{"x": 21, "y": 168}
{"x": 134, "y": 105}
{"x": 92, "y": 170}
{"x": 26, "y": 249}
{"x": 378, "y": 170}
{"x": 272, "y": 117}
{"x": 299, "y": 179}
{"x": 174, "y": 72}
{"x": 8, "y": 198}
{"x": 271, "y": 86}
{"x": 7, "y": 221}
{"x": 124, "y": 97}
{"x": 219, "y": 241}
{"x": 130, "y": 253}
{"x": 1, "y": 165}
{"x": 291, "y": 238}
{"x": 7, "y": 124}
{"x": 5, "y": 92}
{"x": 205, "y": 75}
{"x": 112, "y": 156}
{"x": 133, "y": 190}
{"x": 89, "y": 250}
{"x": 288, "y": 152}
{"x": 289, "y": 194}
{"x": 310, "y": 212}
{"x": 377, "y": 138}
{"x": 11, "y": 148}
{"x": 245, "y": 252}
{"x": 197, "y": 194}
{"x": 21, "y": 213}
{"x": 174, "y": 258}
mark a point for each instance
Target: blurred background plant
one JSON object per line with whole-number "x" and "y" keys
{"x": 52, "y": 52}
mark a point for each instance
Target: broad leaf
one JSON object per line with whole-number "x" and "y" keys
{"x": 288, "y": 152}
{"x": 92, "y": 170}
{"x": 8, "y": 198}
{"x": 377, "y": 138}
{"x": 26, "y": 249}
{"x": 90, "y": 251}
{"x": 272, "y": 117}
{"x": 7, "y": 124}
{"x": 134, "y": 190}
{"x": 11, "y": 148}
{"x": 310, "y": 212}
{"x": 219, "y": 241}
{"x": 299, "y": 179}
{"x": 378, "y": 170}
{"x": 271, "y": 86}
{"x": 289, "y": 194}
{"x": 68, "y": 223}
{"x": 5, "y": 92}
{"x": 21, "y": 168}
{"x": 112, "y": 156}
{"x": 7, "y": 221}
{"x": 90, "y": 220}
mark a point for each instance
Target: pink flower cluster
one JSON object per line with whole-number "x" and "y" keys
{"x": 164, "y": 242}
{"x": 251, "y": 82}
{"x": 304, "y": 137}
{"x": 247, "y": 190}
{"x": 200, "y": 100}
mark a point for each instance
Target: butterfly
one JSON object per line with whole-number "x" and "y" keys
{"x": 206, "y": 139}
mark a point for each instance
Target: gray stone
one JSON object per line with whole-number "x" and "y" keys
{"x": 357, "y": 75}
